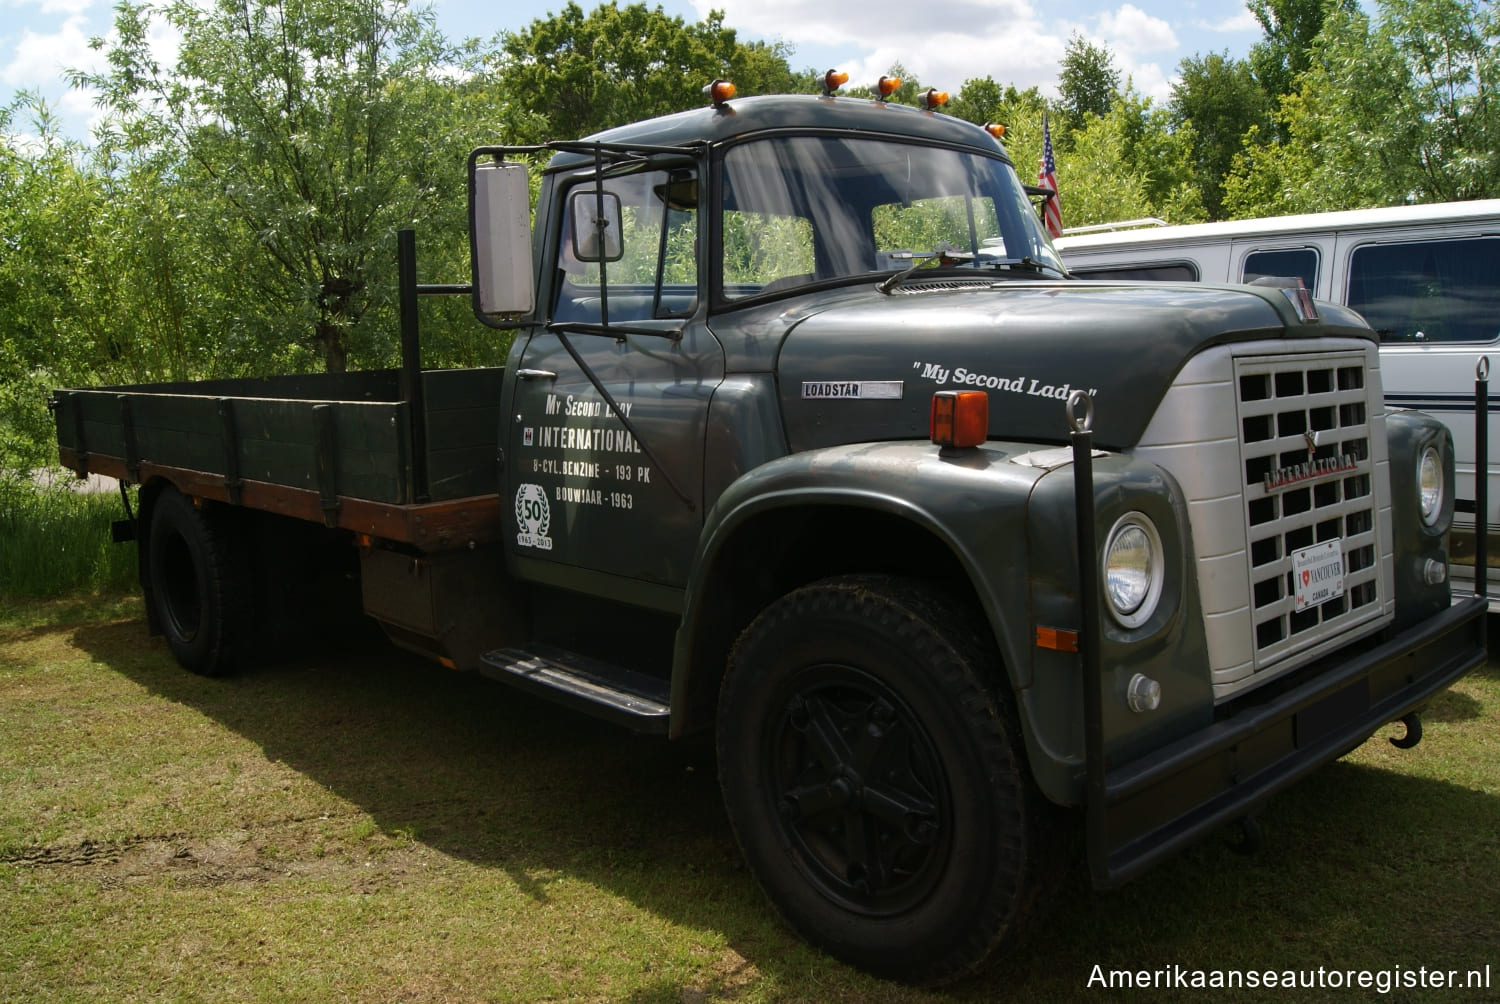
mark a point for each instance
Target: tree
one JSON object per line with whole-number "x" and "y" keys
{"x": 576, "y": 73}
{"x": 1290, "y": 27}
{"x": 1128, "y": 164}
{"x": 1400, "y": 110}
{"x": 1219, "y": 97}
{"x": 47, "y": 203}
{"x": 1087, "y": 81}
{"x": 315, "y": 124}
{"x": 981, "y": 100}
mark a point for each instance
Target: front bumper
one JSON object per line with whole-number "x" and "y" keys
{"x": 1154, "y": 806}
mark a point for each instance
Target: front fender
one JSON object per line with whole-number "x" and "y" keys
{"x": 971, "y": 501}
{"x": 1005, "y": 520}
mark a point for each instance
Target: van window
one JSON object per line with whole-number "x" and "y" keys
{"x": 1296, "y": 263}
{"x": 1428, "y": 291}
{"x": 1174, "y": 272}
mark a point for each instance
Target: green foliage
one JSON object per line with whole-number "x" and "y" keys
{"x": 1219, "y": 98}
{"x": 1088, "y": 80}
{"x": 46, "y": 204}
{"x": 575, "y": 73}
{"x": 1291, "y": 28}
{"x": 1400, "y": 110}
{"x": 318, "y": 127}
{"x": 54, "y": 540}
{"x": 759, "y": 248}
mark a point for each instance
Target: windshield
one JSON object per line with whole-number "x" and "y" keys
{"x": 809, "y": 208}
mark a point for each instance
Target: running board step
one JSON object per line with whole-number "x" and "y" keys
{"x": 607, "y": 691}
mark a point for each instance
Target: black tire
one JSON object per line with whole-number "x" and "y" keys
{"x": 874, "y": 780}
{"x": 197, "y": 576}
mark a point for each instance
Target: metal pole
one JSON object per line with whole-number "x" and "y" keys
{"x": 1080, "y": 419}
{"x": 411, "y": 362}
{"x": 1481, "y": 475}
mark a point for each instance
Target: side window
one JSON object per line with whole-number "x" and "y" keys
{"x": 1172, "y": 272}
{"x": 653, "y": 270}
{"x": 762, "y": 248}
{"x": 1429, "y": 291}
{"x": 1296, "y": 263}
{"x": 924, "y": 225}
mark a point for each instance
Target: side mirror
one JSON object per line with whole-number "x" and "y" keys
{"x": 500, "y": 239}
{"x": 596, "y": 237}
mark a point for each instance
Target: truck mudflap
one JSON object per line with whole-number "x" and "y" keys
{"x": 1152, "y": 807}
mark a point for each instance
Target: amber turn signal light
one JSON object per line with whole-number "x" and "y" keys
{"x": 960, "y": 418}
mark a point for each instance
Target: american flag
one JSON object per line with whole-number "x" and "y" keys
{"x": 1047, "y": 178}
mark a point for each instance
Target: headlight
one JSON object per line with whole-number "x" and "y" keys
{"x": 1430, "y": 483}
{"x": 1133, "y": 569}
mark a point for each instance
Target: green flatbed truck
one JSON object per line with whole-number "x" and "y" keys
{"x": 806, "y": 436}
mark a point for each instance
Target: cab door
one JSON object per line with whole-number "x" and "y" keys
{"x": 589, "y": 497}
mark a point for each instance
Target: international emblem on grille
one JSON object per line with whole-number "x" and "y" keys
{"x": 1310, "y": 469}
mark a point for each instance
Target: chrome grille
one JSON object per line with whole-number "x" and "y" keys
{"x": 1308, "y": 478}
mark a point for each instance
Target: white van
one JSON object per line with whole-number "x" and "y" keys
{"x": 1427, "y": 278}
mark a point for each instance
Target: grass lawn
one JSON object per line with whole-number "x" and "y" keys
{"x": 358, "y": 825}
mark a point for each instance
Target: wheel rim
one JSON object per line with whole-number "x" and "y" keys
{"x": 858, "y": 791}
{"x": 177, "y": 584}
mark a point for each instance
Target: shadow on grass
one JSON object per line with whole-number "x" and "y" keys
{"x": 1361, "y": 868}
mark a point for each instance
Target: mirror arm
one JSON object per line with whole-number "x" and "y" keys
{"x": 600, "y": 225}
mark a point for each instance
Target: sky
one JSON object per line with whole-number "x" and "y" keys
{"x": 1018, "y": 42}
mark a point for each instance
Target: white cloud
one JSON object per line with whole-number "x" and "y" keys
{"x": 1243, "y": 21}
{"x": 41, "y": 59}
{"x": 1130, "y": 29}
{"x": 1003, "y": 39}
{"x": 52, "y": 6}
{"x": 871, "y": 22}
{"x": 1148, "y": 79}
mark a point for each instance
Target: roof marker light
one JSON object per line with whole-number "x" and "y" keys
{"x": 833, "y": 80}
{"x": 933, "y": 99}
{"x": 719, "y": 92}
{"x": 885, "y": 87}
{"x": 959, "y": 418}
{"x": 995, "y": 129}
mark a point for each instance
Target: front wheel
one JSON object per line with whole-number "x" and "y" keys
{"x": 873, "y": 779}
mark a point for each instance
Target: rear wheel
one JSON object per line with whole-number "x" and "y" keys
{"x": 196, "y": 574}
{"x": 873, "y": 779}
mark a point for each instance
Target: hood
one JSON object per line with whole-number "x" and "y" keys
{"x": 865, "y": 367}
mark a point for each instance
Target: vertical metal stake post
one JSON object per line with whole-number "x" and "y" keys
{"x": 1481, "y": 475}
{"x": 411, "y": 362}
{"x": 1080, "y": 410}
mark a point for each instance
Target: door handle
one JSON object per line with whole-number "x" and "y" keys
{"x": 536, "y": 374}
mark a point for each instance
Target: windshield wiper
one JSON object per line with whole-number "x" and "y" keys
{"x": 943, "y": 254}
{"x": 1024, "y": 264}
